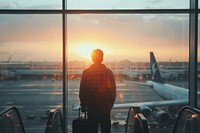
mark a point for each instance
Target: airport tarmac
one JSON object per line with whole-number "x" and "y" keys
{"x": 34, "y": 98}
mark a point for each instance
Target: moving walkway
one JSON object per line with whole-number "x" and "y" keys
{"x": 10, "y": 121}
{"x": 188, "y": 121}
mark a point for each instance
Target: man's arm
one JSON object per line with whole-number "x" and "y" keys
{"x": 82, "y": 95}
{"x": 112, "y": 87}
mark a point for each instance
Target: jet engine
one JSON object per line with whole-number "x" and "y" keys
{"x": 146, "y": 111}
{"x": 173, "y": 110}
{"x": 162, "y": 117}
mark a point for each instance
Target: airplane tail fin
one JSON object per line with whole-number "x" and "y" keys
{"x": 155, "y": 72}
{"x": 9, "y": 59}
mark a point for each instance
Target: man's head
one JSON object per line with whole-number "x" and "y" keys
{"x": 97, "y": 56}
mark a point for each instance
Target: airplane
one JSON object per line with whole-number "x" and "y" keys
{"x": 175, "y": 74}
{"x": 8, "y": 68}
{"x": 168, "y": 73}
{"x": 45, "y": 70}
{"x": 173, "y": 96}
{"x": 137, "y": 74}
{"x": 25, "y": 70}
{"x": 21, "y": 70}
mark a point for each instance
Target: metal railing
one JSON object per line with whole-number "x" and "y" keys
{"x": 136, "y": 122}
{"x": 10, "y": 121}
{"x": 55, "y": 122}
{"x": 188, "y": 121}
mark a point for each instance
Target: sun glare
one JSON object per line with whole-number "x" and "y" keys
{"x": 86, "y": 50}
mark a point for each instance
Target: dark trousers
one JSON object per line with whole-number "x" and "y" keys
{"x": 95, "y": 118}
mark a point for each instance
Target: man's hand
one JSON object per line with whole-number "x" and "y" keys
{"x": 83, "y": 109}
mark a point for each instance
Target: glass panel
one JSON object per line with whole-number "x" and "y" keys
{"x": 128, "y": 4}
{"x": 31, "y": 4}
{"x": 127, "y": 41}
{"x": 31, "y": 66}
{"x": 199, "y": 3}
{"x": 198, "y": 69}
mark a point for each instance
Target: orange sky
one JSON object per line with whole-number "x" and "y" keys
{"x": 121, "y": 38}
{"x": 132, "y": 37}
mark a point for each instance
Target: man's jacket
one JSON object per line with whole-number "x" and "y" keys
{"x": 97, "y": 88}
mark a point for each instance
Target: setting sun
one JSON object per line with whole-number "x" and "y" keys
{"x": 86, "y": 49}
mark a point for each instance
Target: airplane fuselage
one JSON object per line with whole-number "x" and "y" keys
{"x": 169, "y": 92}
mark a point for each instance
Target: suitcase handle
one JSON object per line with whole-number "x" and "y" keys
{"x": 79, "y": 113}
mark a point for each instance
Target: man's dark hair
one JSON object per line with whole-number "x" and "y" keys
{"x": 97, "y": 56}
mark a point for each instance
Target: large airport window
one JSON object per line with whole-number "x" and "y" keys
{"x": 31, "y": 4}
{"x": 128, "y": 4}
{"x": 31, "y": 66}
{"x": 128, "y": 42}
{"x": 147, "y": 51}
{"x": 198, "y": 67}
{"x": 199, "y": 3}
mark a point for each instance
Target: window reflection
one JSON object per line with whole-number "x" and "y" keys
{"x": 128, "y": 4}
{"x": 31, "y": 66}
{"x": 199, "y": 3}
{"x": 127, "y": 41}
{"x": 33, "y": 4}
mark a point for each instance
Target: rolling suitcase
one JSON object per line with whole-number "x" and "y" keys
{"x": 80, "y": 124}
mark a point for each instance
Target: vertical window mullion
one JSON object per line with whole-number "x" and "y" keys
{"x": 65, "y": 91}
{"x": 193, "y": 42}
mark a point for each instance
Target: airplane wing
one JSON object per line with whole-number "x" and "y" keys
{"x": 149, "y": 104}
{"x": 152, "y": 103}
{"x": 139, "y": 83}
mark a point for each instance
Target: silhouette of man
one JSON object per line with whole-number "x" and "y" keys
{"x": 97, "y": 93}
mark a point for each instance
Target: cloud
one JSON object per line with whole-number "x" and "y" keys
{"x": 9, "y": 4}
{"x": 30, "y": 28}
{"x": 154, "y": 1}
{"x": 45, "y": 6}
{"x": 30, "y": 4}
{"x": 125, "y": 32}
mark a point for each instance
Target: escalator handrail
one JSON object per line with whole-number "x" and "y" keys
{"x": 51, "y": 118}
{"x": 143, "y": 122}
{"x": 182, "y": 110}
{"x": 136, "y": 110}
{"x": 12, "y": 108}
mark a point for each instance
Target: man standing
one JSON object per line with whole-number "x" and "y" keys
{"x": 97, "y": 93}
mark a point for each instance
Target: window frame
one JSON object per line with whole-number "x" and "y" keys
{"x": 193, "y": 12}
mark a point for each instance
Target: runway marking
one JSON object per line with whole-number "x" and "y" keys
{"x": 14, "y": 93}
{"x": 30, "y": 85}
{"x": 54, "y": 106}
{"x": 8, "y": 103}
{"x": 6, "y": 106}
{"x": 53, "y": 93}
{"x": 34, "y": 128}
